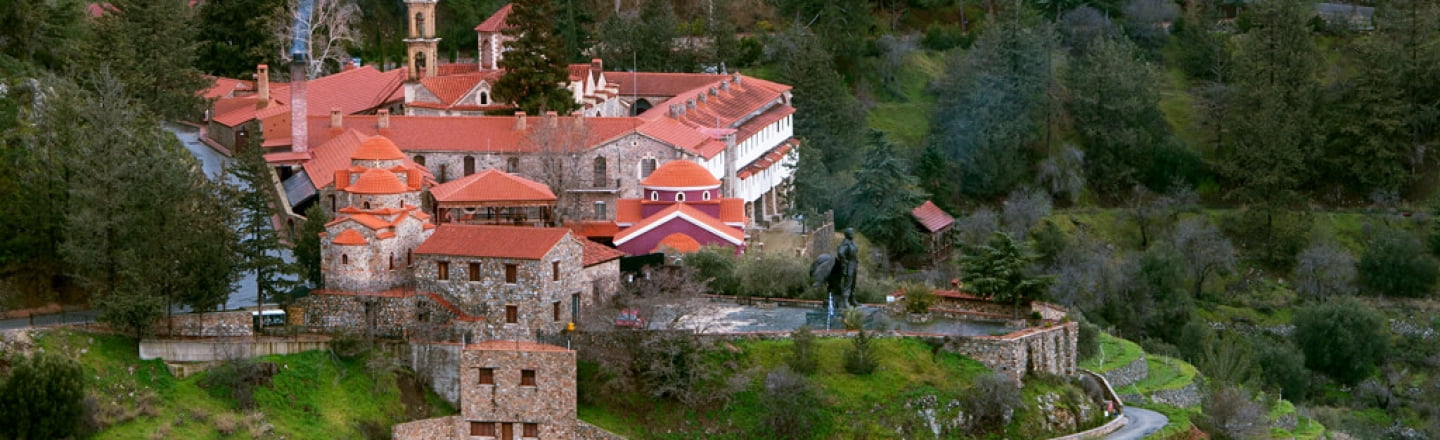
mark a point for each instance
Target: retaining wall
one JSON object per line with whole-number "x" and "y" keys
{"x": 1133, "y": 372}
{"x": 224, "y": 349}
{"x": 207, "y": 325}
{"x": 428, "y": 429}
{"x": 1047, "y": 349}
{"x": 586, "y": 431}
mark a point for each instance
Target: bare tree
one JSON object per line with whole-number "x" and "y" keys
{"x": 975, "y": 229}
{"x": 1206, "y": 251}
{"x": 1152, "y": 213}
{"x": 1085, "y": 272}
{"x": 559, "y": 145}
{"x": 1230, "y": 413}
{"x": 1063, "y": 173}
{"x": 333, "y": 26}
{"x": 1324, "y": 270}
{"x": 1024, "y": 209}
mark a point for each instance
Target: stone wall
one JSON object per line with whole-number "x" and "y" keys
{"x": 1135, "y": 371}
{"x": 223, "y": 350}
{"x": 215, "y": 324}
{"x": 534, "y": 294}
{"x": 550, "y": 402}
{"x": 1049, "y": 349}
{"x": 391, "y": 314}
{"x": 604, "y": 281}
{"x": 438, "y": 364}
{"x": 439, "y": 428}
{"x": 586, "y": 431}
{"x": 378, "y": 265}
{"x": 1182, "y": 397}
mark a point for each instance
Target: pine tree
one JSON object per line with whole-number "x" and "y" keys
{"x": 937, "y": 177}
{"x": 234, "y": 36}
{"x": 307, "y": 245}
{"x": 259, "y": 244}
{"x": 149, "y": 45}
{"x": 1000, "y": 270}
{"x": 1115, "y": 106}
{"x": 828, "y": 119}
{"x": 572, "y": 23}
{"x": 535, "y": 64}
{"x": 883, "y": 196}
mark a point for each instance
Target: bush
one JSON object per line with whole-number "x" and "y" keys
{"x": 1088, "y": 342}
{"x": 1273, "y": 237}
{"x": 1395, "y": 263}
{"x": 1343, "y": 339}
{"x": 803, "y": 357}
{"x": 941, "y": 38}
{"x": 238, "y": 380}
{"x": 715, "y": 265}
{"x": 765, "y": 274}
{"x": 1283, "y": 368}
{"x": 918, "y": 298}
{"x": 1230, "y": 413}
{"x": 992, "y": 402}
{"x": 793, "y": 407}
{"x": 860, "y": 359}
{"x": 42, "y": 397}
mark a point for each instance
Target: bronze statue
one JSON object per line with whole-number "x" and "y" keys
{"x": 838, "y": 271}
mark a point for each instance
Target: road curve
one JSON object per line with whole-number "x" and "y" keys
{"x": 1141, "y": 422}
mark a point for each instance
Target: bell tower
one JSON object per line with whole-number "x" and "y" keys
{"x": 421, "y": 45}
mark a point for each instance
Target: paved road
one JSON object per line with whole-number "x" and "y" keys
{"x": 1141, "y": 422}
{"x": 76, "y": 317}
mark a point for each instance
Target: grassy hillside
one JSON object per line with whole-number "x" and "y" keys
{"x": 312, "y": 395}
{"x": 854, "y": 406}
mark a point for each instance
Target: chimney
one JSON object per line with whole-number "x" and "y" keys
{"x": 713, "y": 92}
{"x": 262, "y": 85}
{"x": 735, "y": 78}
{"x": 690, "y": 103}
{"x": 597, "y": 65}
{"x": 702, "y": 96}
{"x": 299, "y": 126}
{"x": 551, "y": 119}
{"x": 337, "y": 120}
{"x": 578, "y": 118}
{"x": 677, "y": 110}
{"x": 519, "y": 121}
{"x": 725, "y": 86}
{"x": 382, "y": 119}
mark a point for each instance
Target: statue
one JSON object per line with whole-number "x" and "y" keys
{"x": 838, "y": 271}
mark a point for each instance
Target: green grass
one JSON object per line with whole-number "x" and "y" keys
{"x": 1165, "y": 374}
{"x": 314, "y": 395}
{"x": 1114, "y": 352}
{"x": 1179, "y": 424}
{"x": 905, "y": 119}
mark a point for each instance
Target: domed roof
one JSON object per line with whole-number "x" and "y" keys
{"x": 679, "y": 242}
{"x": 377, "y": 181}
{"x": 681, "y": 174}
{"x": 348, "y": 237}
{"x": 377, "y": 148}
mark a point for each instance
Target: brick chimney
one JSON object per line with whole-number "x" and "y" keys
{"x": 551, "y": 118}
{"x": 724, "y": 86}
{"x": 519, "y": 121}
{"x": 578, "y": 118}
{"x": 677, "y": 110}
{"x": 337, "y": 120}
{"x": 299, "y": 126}
{"x": 382, "y": 119}
{"x": 262, "y": 85}
{"x": 597, "y": 65}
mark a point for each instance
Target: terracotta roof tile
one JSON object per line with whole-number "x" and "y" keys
{"x": 502, "y": 345}
{"x": 351, "y": 91}
{"x": 377, "y": 148}
{"x": 496, "y": 22}
{"x": 681, "y": 174}
{"x": 660, "y": 84}
{"x": 732, "y": 210}
{"x": 377, "y": 181}
{"x": 932, "y": 217}
{"x": 453, "y": 87}
{"x": 627, "y": 211}
{"x": 221, "y": 87}
{"x": 455, "y": 68}
{"x": 492, "y": 241}
{"x": 679, "y": 242}
{"x": 349, "y": 237}
{"x": 683, "y": 211}
{"x": 467, "y": 134}
{"x": 492, "y": 186}
{"x": 596, "y": 253}
{"x": 334, "y": 155}
{"x": 595, "y": 228}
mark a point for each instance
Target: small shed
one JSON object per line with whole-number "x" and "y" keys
{"x": 935, "y": 223}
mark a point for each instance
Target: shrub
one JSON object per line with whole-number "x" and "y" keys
{"x": 1395, "y": 263}
{"x": 1230, "y": 413}
{"x": 772, "y": 275}
{"x": 1343, "y": 339}
{"x": 1272, "y": 237}
{"x": 860, "y": 359}
{"x": 42, "y": 397}
{"x": 1324, "y": 270}
{"x": 1088, "y": 342}
{"x": 803, "y": 358}
{"x": 1283, "y": 368}
{"x": 715, "y": 265}
{"x": 918, "y": 298}
{"x": 793, "y": 407}
{"x": 992, "y": 402}
{"x": 238, "y": 380}
{"x": 942, "y": 38}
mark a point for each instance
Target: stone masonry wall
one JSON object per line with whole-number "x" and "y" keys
{"x": 440, "y": 428}
{"x": 534, "y": 293}
{"x": 1135, "y": 371}
{"x": 438, "y": 364}
{"x": 586, "y": 431}
{"x": 388, "y": 316}
{"x": 1048, "y": 349}
{"x": 216, "y": 324}
{"x": 549, "y": 403}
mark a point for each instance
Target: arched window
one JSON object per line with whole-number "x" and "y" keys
{"x": 705, "y": 195}
{"x": 641, "y": 106}
{"x": 484, "y": 98}
{"x": 419, "y": 61}
{"x": 420, "y": 24}
{"x": 680, "y": 196}
{"x": 512, "y": 165}
{"x": 600, "y": 178}
{"x": 344, "y": 259}
{"x": 367, "y": 205}
{"x": 469, "y": 165}
{"x": 647, "y": 166}
{"x": 654, "y": 196}
{"x": 420, "y": 160}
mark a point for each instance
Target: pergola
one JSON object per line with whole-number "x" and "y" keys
{"x": 492, "y": 197}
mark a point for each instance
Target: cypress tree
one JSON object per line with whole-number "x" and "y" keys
{"x": 535, "y": 65}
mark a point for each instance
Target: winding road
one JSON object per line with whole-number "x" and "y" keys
{"x": 1141, "y": 422}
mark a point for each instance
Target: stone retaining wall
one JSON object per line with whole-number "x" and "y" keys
{"x": 1133, "y": 372}
{"x": 1049, "y": 349}
{"x": 224, "y": 350}
{"x": 428, "y": 429}
{"x": 437, "y": 364}
{"x": 1183, "y": 397}
{"x": 208, "y": 325}
{"x": 586, "y": 431}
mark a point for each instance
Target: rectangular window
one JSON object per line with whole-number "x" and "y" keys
{"x": 511, "y": 273}
{"x": 530, "y": 430}
{"x": 527, "y": 378}
{"x": 486, "y": 376}
{"x": 511, "y": 315}
{"x": 556, "y": 310}
{"x": 554, "y": 271}
{"x": 600, "y": 210}
{"x": 442, "y": 270}
{"x": 474, "y": 271}
{"x": 482, "y": 429}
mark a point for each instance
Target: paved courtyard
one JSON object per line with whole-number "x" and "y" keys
{"x": 722, "y": 317}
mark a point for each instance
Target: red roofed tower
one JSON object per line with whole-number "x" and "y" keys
{"x": 369, "y": 246}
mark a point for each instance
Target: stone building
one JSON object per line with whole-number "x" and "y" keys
{"x": 379, "y": 223}
{"x": 508, "y": 390}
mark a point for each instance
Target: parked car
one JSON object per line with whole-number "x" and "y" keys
{"x": 630, "y": 318}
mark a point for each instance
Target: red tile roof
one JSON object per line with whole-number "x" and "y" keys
{"x": 502, "y": 345}
{"x": 377, "y": 148}
{"x": 451, "y": 88}
{"x": 492, "y": 186}
{"x": 764, "y": 162}
{"x": 732, "y": 107}
{"x": 732, "y": 210}
{"x": 377, "y": 181}
{"x": 627, "y": 211}
{"x": 492, "y": 241}
{"x": 496, "y": 22}
{"x": 334, "y": 155}
{"x": 659, "y": 84}
{"x": 221, "y": 87}
{"x": 596, "y": 253}
{"x": 595, "y": 228}
{"x": 681, "y": 174}
{"x": 679, "y": 242}
{"x": 455, "y": 68}
{"x": 681, "y": 210}
{"x": 349, "y": 237}
{"x": 351, "y": 91}
{"x": 468, "y": 134}
{"x": 932, "y": 217}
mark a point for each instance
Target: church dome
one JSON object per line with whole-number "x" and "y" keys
{"x": 681, "y": 174}
{"x": 377, "y": 181}
{"x": 377, "y": 148}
